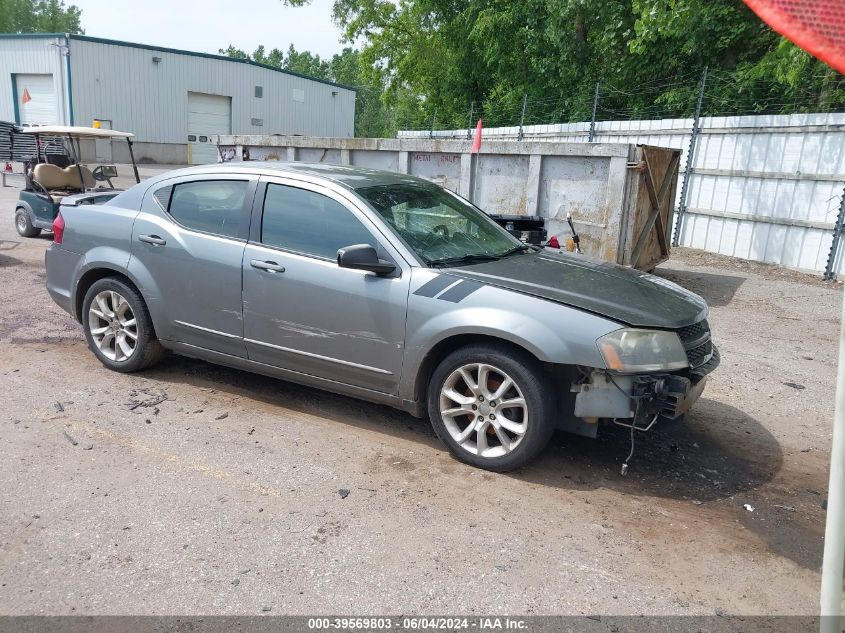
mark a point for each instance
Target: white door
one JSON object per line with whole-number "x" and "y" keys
{"x": 207, "y": 115}
{"x": 36, "y": 99}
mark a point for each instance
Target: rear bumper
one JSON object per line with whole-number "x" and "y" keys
{"x": 61, "y": 266}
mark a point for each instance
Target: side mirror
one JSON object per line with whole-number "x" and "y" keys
{"x": 363, "y": 257}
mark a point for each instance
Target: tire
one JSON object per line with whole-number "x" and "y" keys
{"x": 23, "y": 224}
{"x": 511, "y": 434}
{"x": 113, "y": 311}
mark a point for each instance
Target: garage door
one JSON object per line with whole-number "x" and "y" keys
{"x": 36, "y": 99}
{"x": 207, "y": 115}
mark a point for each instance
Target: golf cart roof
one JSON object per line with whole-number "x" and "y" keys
{"x": 75, "y": 131}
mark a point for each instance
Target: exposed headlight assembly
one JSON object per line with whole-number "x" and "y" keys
{"x": 631, "y": 350}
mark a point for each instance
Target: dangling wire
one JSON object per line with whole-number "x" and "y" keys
{"x": 633, "y": 426}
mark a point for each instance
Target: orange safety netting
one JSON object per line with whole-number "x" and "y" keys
{"x": 817, "y": 26}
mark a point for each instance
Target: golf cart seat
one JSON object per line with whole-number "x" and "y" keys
{"x": 61, "y": 182}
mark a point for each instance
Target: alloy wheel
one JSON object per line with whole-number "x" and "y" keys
{"x": 113, "y": 326}
{"x": 21, "y": 221}
{"x": 484, "y": 410}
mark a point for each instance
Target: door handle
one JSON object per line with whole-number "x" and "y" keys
{"x": 270, "y": 267}
{"x": 155, "y": 240}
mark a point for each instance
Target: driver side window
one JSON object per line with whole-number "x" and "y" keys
{"x": 308, "y": 222}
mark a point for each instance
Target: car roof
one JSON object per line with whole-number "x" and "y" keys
{"x": 346, "y": 175}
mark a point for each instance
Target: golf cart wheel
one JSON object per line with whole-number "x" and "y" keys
{"x": 491, "y": 406}
{"x": 24, "y": 225}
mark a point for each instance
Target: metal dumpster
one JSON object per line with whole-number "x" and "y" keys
{"x": 619, "y": 195}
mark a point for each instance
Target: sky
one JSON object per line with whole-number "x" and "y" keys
{"x": 209, "y": 25}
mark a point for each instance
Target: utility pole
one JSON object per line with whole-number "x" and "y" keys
{"x": 522, "y": 117}
{"x": 593, "y": 116}
{"x": 682, "y": 204}
{"x": 834, "y": 531}
{"x": 433, "y": 121}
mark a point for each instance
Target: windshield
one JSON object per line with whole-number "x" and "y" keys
{"x": 439, "y": 226}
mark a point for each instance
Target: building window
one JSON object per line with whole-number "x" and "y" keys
{"x": 259, "y": 92}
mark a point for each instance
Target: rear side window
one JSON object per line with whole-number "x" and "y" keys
{"x": 308, "y": 222}
{"x": 211, "y": 206}
{"x": 162, "y": 196}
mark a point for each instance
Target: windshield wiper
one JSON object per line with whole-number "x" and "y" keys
{"x": 515, "y": 249}
{"x": 462, "y": 259}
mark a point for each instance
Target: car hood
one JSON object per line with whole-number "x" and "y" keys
{"x": 619, "y": 293}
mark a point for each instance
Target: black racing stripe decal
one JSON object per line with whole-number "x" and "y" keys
{"x": 438, "y": 284}
{"x": 458, "y": 293}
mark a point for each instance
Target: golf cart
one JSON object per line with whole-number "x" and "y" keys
{"x": 54, "y": 179}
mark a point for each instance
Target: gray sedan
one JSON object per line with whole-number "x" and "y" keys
{"x": 384, "y": 287}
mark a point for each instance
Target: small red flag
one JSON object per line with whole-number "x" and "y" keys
{"x": 476, "y": 141}
{"x": 26, "y": 98}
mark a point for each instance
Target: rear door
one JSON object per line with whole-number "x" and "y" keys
{"x": 304, "y": 313}
{"x": 187, "y": 248}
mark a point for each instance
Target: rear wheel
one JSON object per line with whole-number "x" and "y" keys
{"x": 118, "y": 327}
{"x": 24, "y": 225}
{"x": 491, "y": 406}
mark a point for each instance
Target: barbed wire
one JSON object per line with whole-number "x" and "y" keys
{"x": 723, "y": 94}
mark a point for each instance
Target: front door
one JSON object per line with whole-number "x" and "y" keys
{"x": 187, "y": 248}
{"x": 304, "y": 313}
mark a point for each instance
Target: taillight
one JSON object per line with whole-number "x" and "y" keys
{"x": 58, "y": 228}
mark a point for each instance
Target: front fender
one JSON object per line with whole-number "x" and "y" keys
{"x": 552, "y": 332}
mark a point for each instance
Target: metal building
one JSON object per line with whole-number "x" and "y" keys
{"x": 174, "y": 101}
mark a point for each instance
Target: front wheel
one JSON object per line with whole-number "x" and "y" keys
{"x": 118, "y": 327}
{"x": 492, "y": 406}
{"x": 24, "y": 226}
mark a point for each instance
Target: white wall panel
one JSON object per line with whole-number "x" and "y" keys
{"x": 777, "y": 168}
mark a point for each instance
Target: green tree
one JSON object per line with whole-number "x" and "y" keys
{"x": 438, "y": 56}
{"x": 39, "y": 16}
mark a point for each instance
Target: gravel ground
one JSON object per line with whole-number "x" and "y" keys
{"x": 195, "y": 489}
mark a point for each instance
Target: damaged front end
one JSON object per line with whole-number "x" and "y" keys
{"x": 652, "y": 375}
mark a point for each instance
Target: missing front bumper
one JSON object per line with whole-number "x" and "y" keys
{"x": 606, "y": 395}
